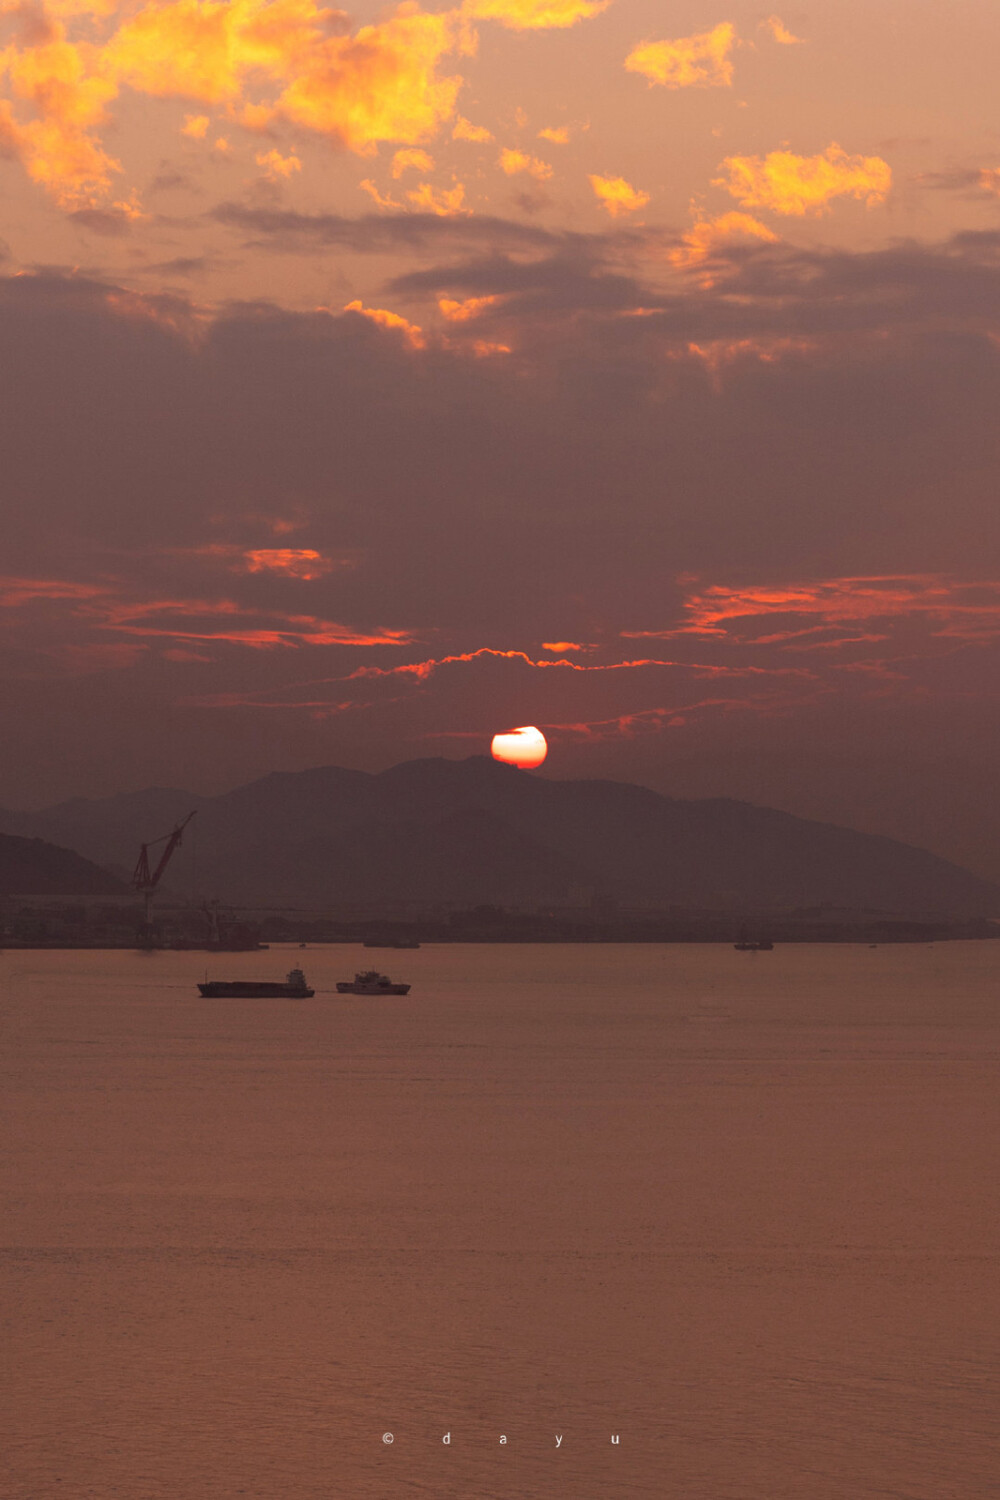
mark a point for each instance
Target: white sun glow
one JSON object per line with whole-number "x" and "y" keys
{"x": 525, "y": 747}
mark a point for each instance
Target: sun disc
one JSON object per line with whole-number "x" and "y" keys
{"x": 525, "y": 747}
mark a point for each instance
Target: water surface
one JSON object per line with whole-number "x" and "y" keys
{"x": 738, "y": 1209}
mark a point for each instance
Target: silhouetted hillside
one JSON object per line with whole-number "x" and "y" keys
{"x": 108, "y": 830}
{"x": 475, "y": 831}
{"x": 31, "y": 867}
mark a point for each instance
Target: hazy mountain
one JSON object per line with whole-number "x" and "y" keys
{"x": 947, "y": 804}
{"x": 108, "y": 830}
{"x": 31, "y": 867}
{"x": 474, "y": 831}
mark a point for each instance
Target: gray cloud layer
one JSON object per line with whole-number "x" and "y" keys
{"x": 801, "y": 416}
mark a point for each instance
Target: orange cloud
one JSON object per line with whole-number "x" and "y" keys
{"x": 279, "y": 525}
{"x": 382, "y": 199}
{"x": 534, "y": 15}
{"x": 293, "y": 562}
{"x": 702, "y": 238}
{"x": 513, "y": 161}
{"x": 464, "y": 130}
{"x": 797, "y": 185}
{"x": 559, "y": 136}
{"x": 962, "y": 610}
{"x": 277, "y": 166}
{"x": 106, "y": 608}
{"x": 301, "y": 630}
{"x": 57, "y": 147}
{"x": 411, "y": 156}
{"x": 563, "y": 646}
{"x": 155, "y": 619}
{"x": 130, "y": 208}
{"x": 780, "y": 32}
{"x": 461, "y": 312}
{"x": 421, "y": 670}
{"x": 700, "y": 61}
{"x": 989, "y": 178}
{"x": 442, "y": 201}
{"x": 381, "y": 84}
{"x": 617, "y": 195}
{"x": 715, "y": 354}
{"x": 16, "y": 592}
{"x": 197, "y": 49}
{"x": 412, "y": 334}
{"x": 69, "y": 8}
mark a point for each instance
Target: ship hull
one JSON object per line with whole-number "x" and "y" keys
{"x": 373, "y": 989}
{"x": 237, "y": 990}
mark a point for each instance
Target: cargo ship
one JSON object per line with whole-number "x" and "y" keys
{"x": 294, "y": 988}
{"x": 371, "y": 982}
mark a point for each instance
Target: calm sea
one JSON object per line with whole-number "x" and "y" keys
{"x": 738, "y": 1210}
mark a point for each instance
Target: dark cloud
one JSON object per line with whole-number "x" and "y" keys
{"x": 169, "y": 180}
{"x": 111, "y": 222}
{"x": 743, "y": 292}
{"x": 290, "y": 231}
{"x": 532, "y": 200}
{"x": 802, "y": 416}
{"x": 974, "y": 182}
{"x": 572, "y": 279}
{"x": 184, "y": 265}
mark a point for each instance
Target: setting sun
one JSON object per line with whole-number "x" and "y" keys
{"x": 525, "y": 747}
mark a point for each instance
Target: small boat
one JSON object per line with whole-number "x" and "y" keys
{"x": 764, "y": 945}
{"x": 371, "y": 982}
{"x": 294, "y": 988}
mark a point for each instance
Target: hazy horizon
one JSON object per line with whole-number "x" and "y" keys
{"x": 888, "y": 812}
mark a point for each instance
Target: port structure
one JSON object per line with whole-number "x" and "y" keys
{"x": 145, "y": 879}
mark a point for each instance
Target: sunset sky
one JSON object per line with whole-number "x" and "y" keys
{"x": 376, "y": 381}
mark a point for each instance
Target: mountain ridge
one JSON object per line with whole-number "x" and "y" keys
{"x": 35, "y": 867}
{"x": 476, "y": 831}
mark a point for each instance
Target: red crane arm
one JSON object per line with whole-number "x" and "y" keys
{"x": 141, "y": 878}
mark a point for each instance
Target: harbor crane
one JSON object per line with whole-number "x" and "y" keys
{"x": 145, "y": 880}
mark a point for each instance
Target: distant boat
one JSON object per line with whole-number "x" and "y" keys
{"x": 294, "y": 988}
{"x": 371, "y": 982}
{"x": 745, "y": 944}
